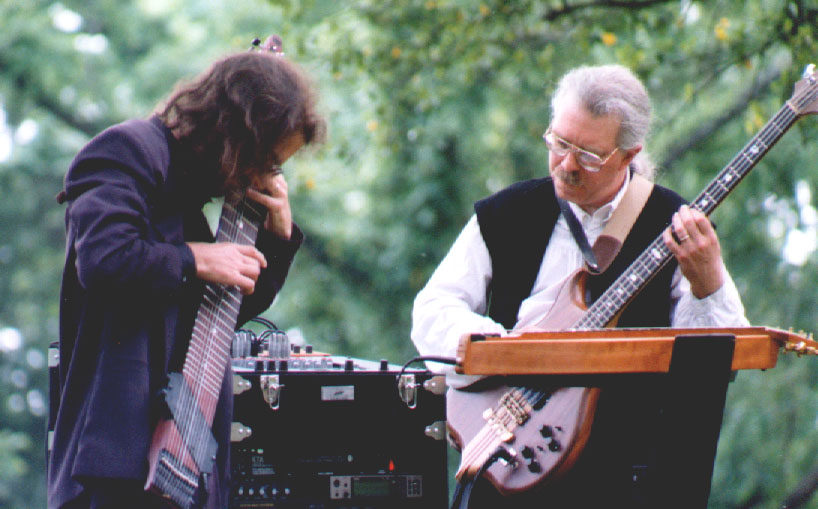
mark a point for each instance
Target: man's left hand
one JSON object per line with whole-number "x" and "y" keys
{"x": 697, "y": 249}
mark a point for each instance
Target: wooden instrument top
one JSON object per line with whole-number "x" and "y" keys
{"x": 611, "y": 351}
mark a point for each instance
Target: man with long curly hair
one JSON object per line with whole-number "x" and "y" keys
{"x": 138, "y": 255}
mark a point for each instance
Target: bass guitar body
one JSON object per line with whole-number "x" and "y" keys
{"x": 542, "y": 430}
{"x": 542, "y": 443}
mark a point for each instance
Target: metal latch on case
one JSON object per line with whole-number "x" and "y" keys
{"x": 407, "y": 388}
{"x": 271, "y": 390}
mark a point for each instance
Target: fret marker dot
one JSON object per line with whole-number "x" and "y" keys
{"x": 754, "y": 149}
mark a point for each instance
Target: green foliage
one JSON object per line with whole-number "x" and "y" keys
{"x": 432, "y": 104}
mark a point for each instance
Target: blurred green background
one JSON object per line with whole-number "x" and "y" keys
{"x": 432, "y": 104}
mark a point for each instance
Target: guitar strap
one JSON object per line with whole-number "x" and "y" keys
{"x": 610, "y": 241}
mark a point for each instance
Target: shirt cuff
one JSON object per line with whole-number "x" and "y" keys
{"x": 272, "y": 245}
{"x": 188, "y": 264}
{"x": 721, "y": 308}
{"x": 717, "y": 299}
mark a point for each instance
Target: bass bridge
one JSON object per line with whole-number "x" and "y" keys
{"x": 513, "y": 410}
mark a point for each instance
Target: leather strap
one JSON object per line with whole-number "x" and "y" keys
{"x": 629, "y": 208}
{"x": 619, "y": 225}
{"x": 610, "y": 241}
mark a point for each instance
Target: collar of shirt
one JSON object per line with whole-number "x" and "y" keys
{"x": 601, "y": 215}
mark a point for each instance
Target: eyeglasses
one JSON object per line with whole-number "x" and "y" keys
{"x": 560, "y": 147}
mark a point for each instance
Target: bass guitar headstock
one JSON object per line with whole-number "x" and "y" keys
{"x": 799, "y": 343}
{"x": 805, "y": 99}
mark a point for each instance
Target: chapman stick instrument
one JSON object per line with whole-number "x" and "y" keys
{"x": 183, "y": 449}
{"x": 481, "y": 423}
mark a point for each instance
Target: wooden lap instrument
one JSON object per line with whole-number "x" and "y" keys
{"x": 483, "y": 422}
{"x": 183, "y": 449}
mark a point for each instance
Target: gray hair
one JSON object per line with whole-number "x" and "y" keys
{"x": 611, "y": 90}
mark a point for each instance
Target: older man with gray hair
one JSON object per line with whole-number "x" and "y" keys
{"x": 508, "y": 266}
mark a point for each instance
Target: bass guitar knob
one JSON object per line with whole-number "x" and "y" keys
{"x": 534, "y": 467}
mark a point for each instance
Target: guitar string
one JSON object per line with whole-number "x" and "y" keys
{"x": 193, "y": 359}
{"x": 215, "y": 350}
{"x": 486, "y": 444}
{"x": 657, "y": 254}
{"x": 197, "y": 349}
{"x": 194, "y": 364}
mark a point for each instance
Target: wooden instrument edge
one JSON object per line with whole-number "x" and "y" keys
{"x": 608, "y": 351}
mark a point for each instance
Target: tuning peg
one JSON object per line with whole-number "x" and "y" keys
{"x": 809, "y": 71}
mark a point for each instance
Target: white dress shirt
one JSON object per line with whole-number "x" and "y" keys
{"x": 454, "y": 301}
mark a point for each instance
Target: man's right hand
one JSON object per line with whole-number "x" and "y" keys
{"x": 228, "y": 264}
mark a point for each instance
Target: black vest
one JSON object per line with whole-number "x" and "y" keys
{"x": 516, "y": 224}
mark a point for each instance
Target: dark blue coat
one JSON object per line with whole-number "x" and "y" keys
{"x": 128, "y": 301}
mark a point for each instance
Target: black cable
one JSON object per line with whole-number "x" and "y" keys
{"x": 256, "y": 340}
{"x": 462, "y": 492}
{"x": 268, "y": 323}
{"x": 423, "y": 358}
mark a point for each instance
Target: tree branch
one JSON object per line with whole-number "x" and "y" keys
{"x": 553, "y": 14}
{"x": 27, "y": 85}
{"x": 759, "y": 85}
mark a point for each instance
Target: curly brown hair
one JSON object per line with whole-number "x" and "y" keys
{"x": 235, "y": 114}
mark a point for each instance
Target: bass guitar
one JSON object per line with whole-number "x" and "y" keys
{"x": 488, "y": 423}
{"x": 183, "y": 449}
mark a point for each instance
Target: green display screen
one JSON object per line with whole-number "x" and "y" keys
{"x": 363, "y": 487}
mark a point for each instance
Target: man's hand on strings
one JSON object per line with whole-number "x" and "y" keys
{"x": 695, "y": 245}
{"x": 228, "y": 264}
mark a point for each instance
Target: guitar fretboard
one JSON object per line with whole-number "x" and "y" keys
{"x": 209, "y": 350}
{"x": 657, "y": 255}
